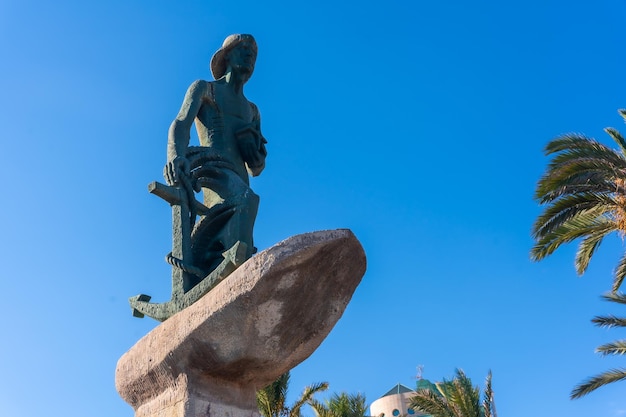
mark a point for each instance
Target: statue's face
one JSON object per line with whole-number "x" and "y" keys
{"x": 242, "y": 58}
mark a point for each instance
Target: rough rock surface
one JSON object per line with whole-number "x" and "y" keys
{"x": 264, "y": 319}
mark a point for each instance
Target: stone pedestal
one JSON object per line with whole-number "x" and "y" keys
{"x": 262, "y": 320}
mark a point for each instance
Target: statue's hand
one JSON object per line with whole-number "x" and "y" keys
{"x": 249, "y": 148}
{"x": 175, "y": 168}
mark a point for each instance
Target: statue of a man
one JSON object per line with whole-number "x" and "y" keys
{"x": 231, "y": 147}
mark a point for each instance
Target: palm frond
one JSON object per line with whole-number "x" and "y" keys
{"x": 595, "y": 382}
{"x": 574, "y": 182}
{"x": 570, "y": 141}
{"x": 271, "y": 399}
{"x": 320, "y": 409}
{"x": 340, "y": 405}
{"x": 579, "y": 226}
{"x": 616, "y": 297}
{"x": 358, "y": 405}
{"x": 617, "y": 347}
{"x": 609, "y": 321}
{"x": 590, "y": 204}
{"x": 618, "y": 138}
{"x": 455, "y": 398}
{"x": 577, "y": 175}
{"x": 589, "y": 245}
{"x": 489, "y": 405}
{"x": 570, "y": 148}
{"x": 263, "y": 403}
{"x": 619, "y": 275}
{"x": 306, "y": 397}
{"x": 609, "y": 164}
{"x": 465, "y": 395}
{"x": 584, "y": 190}
{"x": 580, "y": 164}
{"x": 428, "y": 402}
{"x": 446, "y": 389}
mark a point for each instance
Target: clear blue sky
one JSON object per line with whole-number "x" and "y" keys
{"x": 418, "y": 125}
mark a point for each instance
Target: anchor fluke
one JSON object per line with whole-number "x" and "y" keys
{"x": 233, "y": 258}
{"x": 134, "y": 303}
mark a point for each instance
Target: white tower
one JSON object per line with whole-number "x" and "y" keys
{"x": 394, "y": 403}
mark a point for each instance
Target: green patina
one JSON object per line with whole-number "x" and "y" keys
{"x": 211, "y": 238}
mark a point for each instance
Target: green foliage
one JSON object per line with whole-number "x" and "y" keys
{"x": 584, "y": 191}
{"x": 341, "y": 405}
{"x": 271, "y": 400}
{"x": 614, "y": 348}
{"x": 455, "y": 398}
{"x": 593, "y": 383}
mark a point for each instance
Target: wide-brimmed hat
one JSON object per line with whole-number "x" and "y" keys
{"x": 218, "y": 62}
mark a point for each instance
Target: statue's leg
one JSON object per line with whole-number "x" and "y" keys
{"x": 233, "y": 212}
{"x": 240, "y": 226}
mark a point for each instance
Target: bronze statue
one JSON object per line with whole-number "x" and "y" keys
{"x": 228, "y": 127}
{"x": 231, "y": 147}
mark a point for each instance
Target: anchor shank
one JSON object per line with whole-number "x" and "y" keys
{"x": 181, "y": 234}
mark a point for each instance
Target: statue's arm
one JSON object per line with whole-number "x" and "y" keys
{"x": 252, "y": 145}
{"x": 179, "y": 132}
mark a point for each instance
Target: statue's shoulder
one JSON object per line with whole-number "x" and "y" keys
{"x": 199, "y": 87}
{"x": 203, "y": 91}
{"x": 255, "y": 110}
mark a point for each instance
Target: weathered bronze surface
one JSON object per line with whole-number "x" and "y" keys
{"x": 211, "y": 239}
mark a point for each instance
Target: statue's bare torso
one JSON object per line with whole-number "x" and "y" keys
{"x": 221, "y": 115}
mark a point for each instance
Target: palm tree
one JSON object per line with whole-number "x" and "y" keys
{"x": 615, "y": 348}
{"x": 340, "y": 405}
{"x": 271, "y": 400}
{"x": 584, "y": 188}
{"x": 455, "y": 398}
